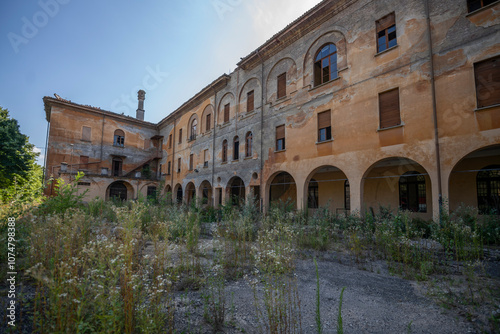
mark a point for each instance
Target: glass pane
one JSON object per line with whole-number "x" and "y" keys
{"x": 391, "y": 29}
{"x": 325, "y": 51}
{"x": 333, "y": 48}
{"x": 326, "y": 74}
{"x": 381, "y": 44}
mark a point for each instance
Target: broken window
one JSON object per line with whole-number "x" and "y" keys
{"x": 180, "y": 136}
{"x": 205, "y": 158}
{"x": 325, "y": 64}
{"x": 280, "y": 138}
{"x": 487, "y": 76}
{"x": 117, "y": 167}
{"x": 248, "y": 144}
{"x": 386, "y": 32}
{"x": 179, "y": 165}
{"x": 194, "y": 125}
{"x": 478, "y": 4}
{"x": 226, "y": 113}
{"x": 250, "y": 102}
{"x": 119, "y": 139}
{"x": 412, "y": 190}
{"x": 389, "y": 109}
{"x": 281, "y": 85}
{"x": 236, "y": 148}
{"x": 224, "y": 151}
{"x": 191, "y": 161}
{"x": 209, "y": 123}
{"x": 86, "y": 133}
{"x": 324, "y": 126}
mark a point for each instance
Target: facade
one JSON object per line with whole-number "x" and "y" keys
{"x": 354, "y": 105}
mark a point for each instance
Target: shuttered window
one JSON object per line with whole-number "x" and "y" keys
{"x": 86, "y": 133}
{"x": 389, "y": 109}
{"x": 386, "y": 32}
{"x": 250, "y": 101}
{"x": 487, "y": 74}
{"x": 281, "y": 85}
{"x": 180, "y": 136}
{"x": 224, "y": 151}
{"x": 179, "y": 165}
{"x": 324, "y": 126}
{"x": 226, "y": 113}
{"x": 170, "y": 141}
{"x": 191, "y": 161}
{"x": 208, "y": 126}
{"x": 280, "y": 138}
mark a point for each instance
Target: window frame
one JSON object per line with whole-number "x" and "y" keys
{"x": 193, "y": 129}
{"x": 191, "y": 161}
{"x": 281, "y": 86}
{"x": 384, "y": 109}
{"x": 180, "y": 136}
{"x": 488, "y": 83}
{"x": 280, "y": 139}
{"x": 248, "y": 144}
{"x": 250, "y": 101}
{"x": 486, "y": 182}
{"x": 236, "y": 148}
{"x": 224, "y": 151}
{"x": 119, "y": 138}
{"x": 179, "y": 162}
{"x": 417, "y": 180}
{"x": 319, "y": 71}
{"x": 227, "y": 112}
{"x": 382, "y": 26}
{"x": 327, "y": 129}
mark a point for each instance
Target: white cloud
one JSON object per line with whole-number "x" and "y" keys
{"x": 41, "y": 158}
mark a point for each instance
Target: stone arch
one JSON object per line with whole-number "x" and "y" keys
{"x": 121, "y": 190}
{"x": 330, "y": 181}
{"x": 190, "y": 192}
{"x": 209, "y": 110}
{"x": 178, "y": 193}
{"x": 252, "y": 84}
{"x": 287, "y": 65}
{"x": 205, "y": 191}
{"x": 235, "y": 190}
{"x": 281, "y": 186}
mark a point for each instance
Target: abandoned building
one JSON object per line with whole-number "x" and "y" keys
{"x": 356, "y": 104}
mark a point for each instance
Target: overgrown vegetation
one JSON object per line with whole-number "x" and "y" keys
{"x": 116, "y": 267}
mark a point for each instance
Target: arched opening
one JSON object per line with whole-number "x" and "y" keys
{"x": 119, "y": 138}
{"x": 326, "y": 188}
{"x": 236, "y": 148}
{"x": 325, "y": 64}
{"x": 397, "y": 183}
{"x": 120, "y": 191}
{"x": 168, "y": 193}
{"x": 178, "y": 193}
{"x": 193, "y": 129}
{"x": 236, "y": 191}
{"x": 206, "y": 193}
{"x": 283, "y": 189}
{"x": 248, "y": 144}
{"x": 190, "y": 192}
{"x": 475, "y": 181}
{"x": 224, "y": 151}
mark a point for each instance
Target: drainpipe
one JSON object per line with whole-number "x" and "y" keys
{"x": 173, "y": 160}
{"x": 261, "y": 132}
{"x": 213, "y": 146}
{"x": 434, "y": 107}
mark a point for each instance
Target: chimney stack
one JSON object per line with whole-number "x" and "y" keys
{"x": 140, "y": 109}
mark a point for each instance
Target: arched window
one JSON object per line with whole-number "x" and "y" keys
{"x": 224, "y": 151}
{"x": 248, "y": 144}
{"x": 119, "y": 139}
{"x": 488, "y": 190}
{"x": 208, "y": 122}
{"x": 313, "y": 194}
{"x": 236, "y": 148}
{"x": 194, "y": 125}
{"x": 325, "y": 64}
{"x": 412, "y": 193}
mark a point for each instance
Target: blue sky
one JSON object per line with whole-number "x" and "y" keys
{"x": 101, "y": 52}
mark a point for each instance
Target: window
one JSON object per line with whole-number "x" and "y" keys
{"x": 488, "y": 190}
{"x": 412, "y": 192}
{"x": 205, "y": 158}
{"x": 119, "y": 139}
{"x": 170, "y": 141}
{"x": 280, "y": 138}
{"x": 386, "y": 32}
{"x": 151, "y": 194}
{"x": 389, "y": 109}
{"x": 209, "y": 123}
{"x": 86, "y": 133}
{"x": 147, "y": 144}
{"x": 84, "y": 161}
{"x": 250, "y": 102}
{"x": 487, "y": 75}
{"x": 313, "y": 194}
{"x": 168, "y": 167}
{"x": 325, "y": 64}
{"x": 194, "y": 125}
{"x": 248, "y": 144}
{"x": 226, "y": 113}
{"x": 191, "y": 158}
{"x": 236, "y": 148}
{"x": 324, "y": 126}
{"x": 224, "y": 151}
{"x": 281, "y": 85}
{"x": 347, "y": 195}
{"x": 117, "y": 167}
{"x": 179, "y": 165}
{"x": 180, "y": 136}
{"x": 478, "y": 4}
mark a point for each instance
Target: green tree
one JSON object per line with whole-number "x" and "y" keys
{"x": 20, "y": 176}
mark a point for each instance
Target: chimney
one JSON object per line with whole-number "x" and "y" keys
{"x": 140, "y": 109}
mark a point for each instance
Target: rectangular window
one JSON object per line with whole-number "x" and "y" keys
{"x": 226, "y": 113}
{"x": 389, "y": 108}
{"x": 86, "y": 133}
{"x": 205, "y": 158}
{"x": 151, "y": 194}
{"x": 324, "y": 126}
{"x": 386, "y": 32}
{"x": 474, "y": 5}
{"x": 170, "y": 141}
{"x": 236, "y": 149}
{"x": 169, "y": 165}
{"x": 117, "y": 167}
{"x": 180, "y": 136}
{"x": 209, "y": 123}
{"x": 84, "y": 160}
{"x": 281, "y": 85}
{"x": 250, "y": 104}
{"x": 191, "y": 161}
{"x": 179, "y": 165}
{"x": 280, "y": 138}
{"x": 487, "y": 76}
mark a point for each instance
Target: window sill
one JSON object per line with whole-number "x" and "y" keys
{"x": 86, "y": 141}
{"x": 487, "y": 107}
{"x": 482, "y": 9}
{"x": 324, "y": 141}
{"x": 386, "y": 50}
{"x": 283, "y": 150}
{"x": 324, "y": 84}
{"x": 248, "y": 114}
{"x": 248, "y": 158}
{"x": 281, "y": 100}
{"x": 118, "y": 146}
{"x": 223, "y": 125}
{"x": 235, "y": 160}
{"x": 391, "y": 127}
{"x": 205, "y": 166}
{"x": 224, "y": 163}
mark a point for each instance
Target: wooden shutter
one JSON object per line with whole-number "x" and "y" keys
{"x": 487, "y": 74}
{"x": 226, "y": 113}
{"x": 324, "y": 119}
{"x": 191, "y": 161}
{"x": 209, "y": 122}
{"x": 389, "y": 108}
{"x": 280, "y": 132}
{"x": 86, "y": 133}
{"x": 386, "y": 22}
{"x": 168, "y": 168}
{"x": 180, "y": 136}
{"x": 170, "y": 141}
{"x": 281, "y": 85}
{"x": 250, "y": 102}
